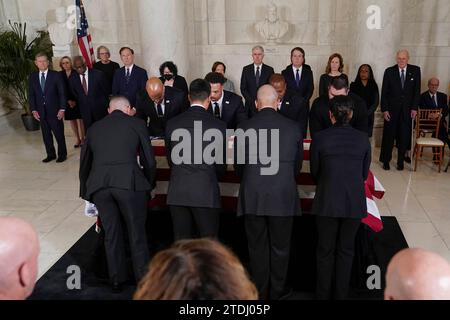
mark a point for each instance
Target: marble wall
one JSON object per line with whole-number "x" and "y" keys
{"x": 195, "y": 33}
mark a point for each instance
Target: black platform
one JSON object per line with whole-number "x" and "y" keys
{"x": 371, "y": 249}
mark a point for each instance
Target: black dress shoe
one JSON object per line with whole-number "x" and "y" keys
{"x": 407, "y": 159}
{"x": 48, "y": 159}
{"x": 400, "y": 167}
{"x": 61, "y": 159}
{"x": 386, "y": 166}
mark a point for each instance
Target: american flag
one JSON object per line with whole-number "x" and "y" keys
{"x": 84, "y": 38}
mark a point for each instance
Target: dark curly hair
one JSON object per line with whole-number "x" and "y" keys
{"x": 171, "y": 66}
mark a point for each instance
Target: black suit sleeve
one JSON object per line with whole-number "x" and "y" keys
{"x": 116, "y": 83}
{"x": 303, "y": 114}
{"x": 61, "y": 92}
{"x": 31, "y": 94}
{"x": 309, "y": 86}
{"x": 314, "y": 160}
{"x": 244, "y": 88}
{"x": 86, "y": 158}
{"x": 385, "y": 92}
{"x": 241, "y": 112}
{"x": 147, "y": 157}
{"x": 315, "y": 124}
{"x": 140, "y": 108}
{"x": 367, "y": 160}
{"x": 417, "y": 84}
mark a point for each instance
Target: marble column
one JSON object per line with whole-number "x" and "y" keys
{"x": 376, "y": 44}
{"x": 163, "y": 31}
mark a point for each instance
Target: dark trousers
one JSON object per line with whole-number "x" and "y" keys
{"x": 398, "y": 129}
{"x": 269, "y": 243}
{"x": 50, "y": 127}
{"x": 189, "y": 221}
{"x": 114, "y": 205}
{"x": 335, "y": 251}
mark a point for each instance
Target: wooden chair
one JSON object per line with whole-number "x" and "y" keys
{"x": 427, "y": 122}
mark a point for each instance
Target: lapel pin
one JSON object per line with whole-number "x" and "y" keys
{"x": 227, "y": 102}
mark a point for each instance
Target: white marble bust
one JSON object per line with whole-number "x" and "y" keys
{"x": 272, "y": 28}
{"x": 60, "y": 34}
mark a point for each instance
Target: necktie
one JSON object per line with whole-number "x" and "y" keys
{"x": 297, "y": 78}
{"x": 257, "y": 76}
{"x": 84, "y": 83}
{"x": 42, "y": 81}
{"x": 127, "y": 76}
{"x": 433, "y": 97}
{"x": 402, "y": 78}
{"x": 216, "y": 110}
{"x": 160, "y": 110}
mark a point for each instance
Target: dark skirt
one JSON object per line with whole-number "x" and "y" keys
{"x": 72, "y": 113}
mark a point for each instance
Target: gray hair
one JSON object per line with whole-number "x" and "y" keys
{"x": 403, "y": 51}
{"x": 100, "y": 48}
{"x": 119, "y": 103}
{"x": 258, "y": 47}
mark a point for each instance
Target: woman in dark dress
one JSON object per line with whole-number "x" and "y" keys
{"x": 105, "y": 65}
{"x": 72, "y": 113}
{"x": 367, "y": 89}
{"x": 169, "y": 76}
{"x": 334, "y": 68}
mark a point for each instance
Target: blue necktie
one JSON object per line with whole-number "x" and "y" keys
{"x": 402, "y": 78}
{"x": 297, "y": 78}
{"x": 127, "y": 76}
{"x": 257, "y": 75}
{"x": 42, "y": 81}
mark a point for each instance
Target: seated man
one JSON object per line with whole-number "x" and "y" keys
{"x": 157, "y": 104}
{"x": 432, "y": 99}
{"x": 291, "y": 104}
{"x": 416, "y": 274}
{"x": 319, "y": 118}
{"x": 19, "y": 250}
{"x": 225, "y": 105}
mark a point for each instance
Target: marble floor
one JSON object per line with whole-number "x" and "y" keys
{"x": 47, "y": 195}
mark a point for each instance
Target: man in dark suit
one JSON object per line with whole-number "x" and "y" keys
{"x": 400, "y": 97}
{"x": 340, "y": 161}
{"x": 298, "y": 75}
{"x": 111, "y": 178}
{"x": 130, "y": 79}
{"x": 269, "y": 200}
{"x": 433, "y": 99}
{"x": 90, "y": 88}
{"x": 157, "y": 104}
{"x": 194, "y": 195}
{"x": 254, "y": 76}
{"x": 319, "y": 118}
{"x": 47, "y": 99}
{"x": 225, "y": 105}
{"x": 290, "y": 104}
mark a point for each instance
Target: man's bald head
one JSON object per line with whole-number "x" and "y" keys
{"x": 417, "y": 274}
{"x": 155, "y": 89}
{"x": 267, "y": 97}
{"x": 19, "y": 250}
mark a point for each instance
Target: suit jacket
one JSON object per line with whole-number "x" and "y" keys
{"x": 427, "y": 103}
{"x": 340, "y": 161}
{"x": 248, "y": 84}
{"x": 191, "y": 184}
{"x": 306, "y": 87}
{"x": 94, "y": 105}
{"x": 271, "y": 195}
{"x": 53, "y": 99}
{"x": 397, "y": 100}
{"x": 109, "y": 156}
{"x": 138, "y": 80}
{"x": 233, "y": 110}
{"x": 319, "y": 118}
{"x": 179, "y": 83}
{"x": 175, "y": 103}
{"x": 295, "y": 108}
